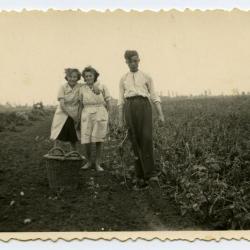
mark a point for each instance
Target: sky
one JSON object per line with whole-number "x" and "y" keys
{"x": 184, "y": 52}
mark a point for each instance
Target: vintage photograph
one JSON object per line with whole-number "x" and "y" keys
{"x": 124, "y": 121}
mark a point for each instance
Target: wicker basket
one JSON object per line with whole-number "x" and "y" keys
{"x": 63, "y": 169}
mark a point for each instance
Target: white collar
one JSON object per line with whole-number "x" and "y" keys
{"x": 96, "y": 82}
{"x": 69, "y": 87}
{"x": 134, "y": 73}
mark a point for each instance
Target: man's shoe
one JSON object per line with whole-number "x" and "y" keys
{"x": 154, "y": 182}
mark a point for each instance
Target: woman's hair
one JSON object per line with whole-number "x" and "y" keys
{"x": 92, "y": 70}
{"x": 69, "y": 71}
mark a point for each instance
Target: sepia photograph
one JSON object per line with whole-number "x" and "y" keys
{"x": 124, "y": 121}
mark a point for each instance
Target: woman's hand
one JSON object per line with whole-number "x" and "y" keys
{"x": 79, "y": 115}
{"x": 121, "y": 120}
{"x": 78, "y": 125}
{"x": 108, "y": 106}
{"x": 75, "y": 117}
{"x": 96, "y": 89}
{"x": 77, "y": 120}
{"x": 120, "y": 124}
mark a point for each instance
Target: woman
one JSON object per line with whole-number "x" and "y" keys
{"x": 66, "y": 115}
{"x": 95, "y": 104}
{"x": 136, "y": 91}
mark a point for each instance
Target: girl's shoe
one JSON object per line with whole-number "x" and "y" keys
{"x": 99, "y": 168}
{"x": 86, "y": 166}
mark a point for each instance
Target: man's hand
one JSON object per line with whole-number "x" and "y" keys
{"x": 161, "y": 119}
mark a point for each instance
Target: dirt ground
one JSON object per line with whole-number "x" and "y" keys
{"x": 27, "y": 203}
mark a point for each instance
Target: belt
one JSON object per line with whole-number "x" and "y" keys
{"x": 136, "y": 97}
{"x": 94, "y": 105}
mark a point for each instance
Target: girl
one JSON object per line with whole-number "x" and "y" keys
{"x": 66, "y": 115}
{"x": 95, "y": 104}
{"x": 136, "y": 88}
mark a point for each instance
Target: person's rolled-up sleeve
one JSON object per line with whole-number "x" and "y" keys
{"x": 60, "y": 94}
{"x": 153, "y": 96}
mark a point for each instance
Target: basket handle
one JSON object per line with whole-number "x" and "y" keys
{"x": 56, "y": 149}
{"x": 73, "y": 154}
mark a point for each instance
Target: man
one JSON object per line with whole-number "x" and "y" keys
{"x": 135, "y": 111}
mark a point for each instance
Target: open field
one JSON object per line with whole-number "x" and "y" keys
{"x": 203, "y": 152}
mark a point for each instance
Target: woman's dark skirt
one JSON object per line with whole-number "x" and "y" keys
{"x": 68, "y": 132}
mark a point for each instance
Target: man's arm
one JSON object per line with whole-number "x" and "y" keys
{"x": 159, "y": 111}
{"x": 155, "y": 99}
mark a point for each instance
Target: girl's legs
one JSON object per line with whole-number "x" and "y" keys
{"x": 88, "y": 151}
{"x": 88, "y": 155}
{"x": 98, "y": 156}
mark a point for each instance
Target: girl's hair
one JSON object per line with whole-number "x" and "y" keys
{"x": 92, "y": 70}
{"x": 69, "y": 71}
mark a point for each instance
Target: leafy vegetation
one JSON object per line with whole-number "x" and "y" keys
{"x": 13, "y": 118}
{"x": 203, "y": 151}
